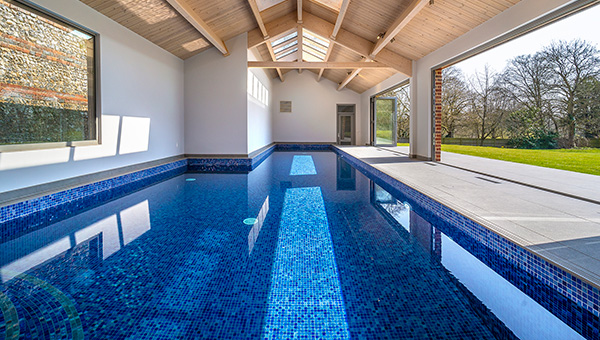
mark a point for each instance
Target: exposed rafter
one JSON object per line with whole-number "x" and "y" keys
{"x": 272, "y": 53}
{"x": 336, "y": 29}
{"x": 265, "y": 33}
{"x": 340, "y": 18}
{"x": 285, "y": 25}
{"x": 329, "y": 49}
{"x": 407, "y": 15}
{"x": 357, "y": 44}
{"x": 277, "y": 28}
{"x": 349, "y": 78}
{"x": 299, "y": 11}
{"x": 300, "y": 45}
{"x": 188, "y": 13}
{"x": 259, "y": 20}
{"x": 344, "y": 65}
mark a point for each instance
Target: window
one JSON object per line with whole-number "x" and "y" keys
{"x": 47, "y": 80}
{"x": 257, "y": 90}
{"x": 314, "y": 47}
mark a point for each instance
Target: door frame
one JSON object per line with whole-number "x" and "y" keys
{"x": 352, "y": 124}
{"x": 374, "y": 121}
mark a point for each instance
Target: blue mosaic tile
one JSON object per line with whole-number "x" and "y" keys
{"x": 25, "y": 216}
{"x": 219, "y": 165}
{"x": 304, "y": 302}
{"x": 303, "y": 147}
{"x": 303, "y": 165}
{"x": 258, "y": 159}
{"x": 548, "y": 284}
{"x": 320, "y": 262}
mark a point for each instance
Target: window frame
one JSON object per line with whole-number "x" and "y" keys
{"x": 93, "y": 94}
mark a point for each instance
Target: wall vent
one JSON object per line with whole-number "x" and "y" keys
{"x": 285, "y": 106}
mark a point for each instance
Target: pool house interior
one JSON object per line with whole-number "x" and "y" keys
{"x": 179, "y": 89}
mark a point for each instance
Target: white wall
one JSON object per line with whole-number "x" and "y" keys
{"x": 421, "y": 110}
{"x": 142, "y": 108}
{"x": 260, "y": 116}
{"x": 313, "y": 116}
{"x": 215, "y": 101}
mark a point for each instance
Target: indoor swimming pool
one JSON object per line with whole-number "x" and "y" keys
{"x": 304, "y": 246}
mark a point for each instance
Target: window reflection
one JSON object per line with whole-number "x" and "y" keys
{"x": 346, "y": 175}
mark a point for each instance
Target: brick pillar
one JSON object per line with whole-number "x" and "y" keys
{"x": 438, "y": 115}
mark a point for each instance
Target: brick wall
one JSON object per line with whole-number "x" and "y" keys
{"x": 438, "y": 114}
{"x": 42, "y": 63}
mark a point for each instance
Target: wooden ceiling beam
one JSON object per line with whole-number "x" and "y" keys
{"x": 349, "y": 78}
{"x": 193, "y": 18}
{"x": 407, "y": 15}
{"x": 259, "y": 20}
{"x": 300, "y": 51}
{"x": 331, "y": 44}
{"x": 265, "y": 33}
{"x": 276, "y": 28}
{"x": 358, "y": 44}
{"x": 272, "y": 53}
{"x": 340, "y": 18}
{"x": 344, "y": 65}
{"x": 299, "y": 11}
{"x": 336, "y": 29}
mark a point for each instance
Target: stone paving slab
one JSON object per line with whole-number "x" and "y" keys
{"x": 562, "y": 229}
{"x": 571, "y": 183}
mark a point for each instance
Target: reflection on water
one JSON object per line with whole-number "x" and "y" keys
{"x": 519, "y": 312}
{"x": 346, "y": 175}
{"x": 328, "y": 254}
{"x": 303, "y": 165}
{"x": 115, "y": 231}
{"x": 260, "y": 220}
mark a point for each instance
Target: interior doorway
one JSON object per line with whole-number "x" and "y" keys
{"x": 346, "y": 124}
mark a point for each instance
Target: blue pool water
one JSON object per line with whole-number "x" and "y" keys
{"x": 304, "y": 246}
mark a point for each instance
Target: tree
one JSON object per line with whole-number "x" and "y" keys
{"x": 403, "y": 95}
{"x": 487, "y": 102}
{"x": 572, "y": 63}
{"x": 527, "y": 82}
{"x": 587, "y": 108}
{"x": 455, "y": 99}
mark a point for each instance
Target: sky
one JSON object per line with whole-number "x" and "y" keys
{"x": 584, "y": 25}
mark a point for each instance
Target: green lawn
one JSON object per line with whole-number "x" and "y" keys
{"x": 579, "y": 160}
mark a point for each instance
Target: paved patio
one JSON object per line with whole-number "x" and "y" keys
{"x": 553, "y": 213}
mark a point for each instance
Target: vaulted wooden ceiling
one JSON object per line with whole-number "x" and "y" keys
{"x": 407, "y": 29}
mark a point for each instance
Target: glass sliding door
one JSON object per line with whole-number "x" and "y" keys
{"x": 385, "y": 122}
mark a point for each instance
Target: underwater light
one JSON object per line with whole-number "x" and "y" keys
{"x": 190, "y": 179}
{"x": 250, "y": 221}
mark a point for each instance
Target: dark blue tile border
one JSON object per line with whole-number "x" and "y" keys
{"x": 219, "y": 165}
{"x": 580, "y": 292}
{"x": 244, "y": 165}
{"x": 303, "y": 147}
{"x": 23, "y": 217}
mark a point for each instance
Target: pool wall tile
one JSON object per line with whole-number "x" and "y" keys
{"x": 22, "y": 217}
{"x": 219, "y": 164}
{"x": 574, "y": 288}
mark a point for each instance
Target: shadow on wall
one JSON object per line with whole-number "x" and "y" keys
{"x": 120, "y": 135}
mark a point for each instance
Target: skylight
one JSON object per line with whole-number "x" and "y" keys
{"x": 314, "y": 47}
